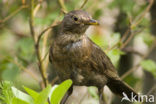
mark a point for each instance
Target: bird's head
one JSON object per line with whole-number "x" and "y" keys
{"x": 77, "y": 21}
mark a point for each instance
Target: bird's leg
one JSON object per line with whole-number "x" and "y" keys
{"x": 101, "y": 96}
{"x": 69, "y": 92}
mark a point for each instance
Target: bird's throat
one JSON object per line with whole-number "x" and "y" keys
{"x": 69, "y": 38}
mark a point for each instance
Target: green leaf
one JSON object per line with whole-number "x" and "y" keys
{"x": 31, "y": 92}
{"x": 114, "y": 55}
{"x": 60, "y": 91}
{"x": 97, "y": 13}
{"x": 10, "y": 72}
{"x": 18, "y": 101}
{"x": 149, "y": 66}
{"x": 115, "y": 37}
{"x": 99, "y": 40}
{"x": 43, "y": 96}
{"x": 22, "y": 96}
{"x": 124, "y": 5}
{"x": 148, "y": 39}
{"x": 25, "y": 50}
{"x": 93, "y": 92}
{"x": 47, "y": 19}
{"x": 131, "y": 80}
{"x": 6, "y": 94}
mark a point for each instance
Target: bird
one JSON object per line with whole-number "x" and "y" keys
{"x": 75, "y": 56}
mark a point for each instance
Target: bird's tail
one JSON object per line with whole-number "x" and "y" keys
{"x": 121, "y": 88}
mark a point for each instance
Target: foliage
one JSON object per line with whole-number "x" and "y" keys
{"x": 93, "y": 92}
{"x": 18, "y": 57}
{"x": 149, "y": 66}
{"x": 60, "y": 91}
{"x": 11, "y": 95}
{"x": 6, "y": 95}
{"x": 148, "y": 39}
{"x": 115, "y": 56}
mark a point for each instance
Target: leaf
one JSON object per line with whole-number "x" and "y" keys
{"x": 97, "y": 13}
{"x": 149, "y": 66}
{"x": 10, "y": 72}
{"x": 60, "y": 91}
{"x": 148, "y": 39}
{"x": 31, "y": 92}
{"x": 43, "y": 96}
{"x": 93, "y": 92}
{"x": 99, "y": 40}
{"x": 114, "y": 55}
{"x": 47, "y": 19}
{"x": 53, "y": 88}
{"x": 22, "y": 96}
{"x": 131, "y": 80}
{"x": 25, "y": 50}
{"x": 6, "y": 94}
{"x": 124, "y": 5}
{"x": 18, "y": 101}
{"x": 115, "y": 37}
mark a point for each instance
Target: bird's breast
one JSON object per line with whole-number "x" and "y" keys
{"x": 72, "y": 48}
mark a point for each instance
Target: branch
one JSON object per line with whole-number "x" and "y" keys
{"x": 22, "y": 67}
{"x": 130, "y": 38}
{"x": 131, "y": 50}
{"x": 84, "y": 3}
{"x": 31, "y": 21}
{"x": 40, "y": 63}
{"x": 133, "y": 24}
{"x": 40, "y": 35}
{"x": 139, "y": 18}
{"x": 13, "y": 13}
{"x": 54, "y": 80}
{"x": 121, "y": 39}
{"x": 138, "y": 65}
{"x": 63, "y": 7}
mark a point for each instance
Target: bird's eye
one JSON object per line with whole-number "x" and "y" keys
{"x": 75, "y": 19}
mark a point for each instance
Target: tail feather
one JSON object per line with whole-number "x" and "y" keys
{"x": 120, "y": 88}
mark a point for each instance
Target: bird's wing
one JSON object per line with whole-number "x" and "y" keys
{"x": 91, "y": 57}
{"x": 102, "y": 61}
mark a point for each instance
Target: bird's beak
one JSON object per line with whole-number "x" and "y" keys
{"x": 93, "y": 22}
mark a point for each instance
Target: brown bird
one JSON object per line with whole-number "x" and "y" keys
{"x": 76, "y": 57}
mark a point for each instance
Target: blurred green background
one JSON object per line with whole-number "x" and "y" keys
{"x": 127, "y": 33}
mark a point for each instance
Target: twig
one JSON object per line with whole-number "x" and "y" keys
{"x": 129, "y": 39}
{"x": 125, "y": 34}
{"x": 47, "y": 54}
{"x": 40, "y": 63}
{"x": 134, "y": 24}
{"x": 82, "y": 99}
{"x": 13, "y": 13}
{"x": 130, "y": 71}
{"x": 63, "y": 7}
{"x": 131, "y": 50}
{"x": 40, "y": 35}
{"x": 26, "y": 70}
{"x": 23, "y": 68}
{"x": 54, "y": 80}
{"x": 44, "y": 51}
{"x": 31, "y": 21}
{"x": 84, "y": 3}
{"x": 120, "y": 41}
{"x": 140, "y": 17}
{"x": 138, "y": 65}
{"x": 152, "y": 89}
